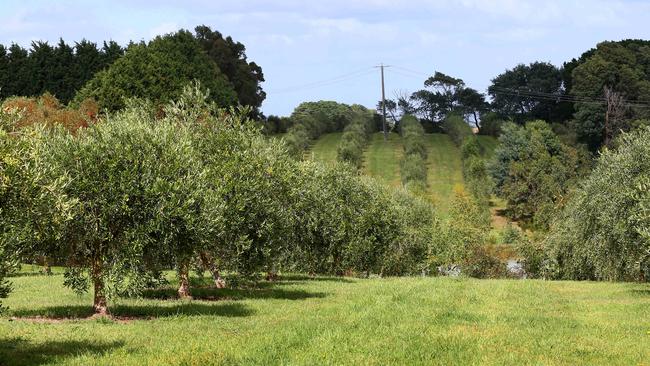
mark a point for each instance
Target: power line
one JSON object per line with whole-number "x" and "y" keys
{"x": 562, "y": 98}
{"x": 412, "y": 71}
{"x": 406, "y": 74}
{"x": 325, "y": 82}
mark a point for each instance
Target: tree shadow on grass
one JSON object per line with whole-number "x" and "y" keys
{"x": 135, "y": 312}
{"x": 298, "y": 277}
{"x": 33, "y": 274}
{"x": 214, "y": 294}
{"x": 18, "y": 352}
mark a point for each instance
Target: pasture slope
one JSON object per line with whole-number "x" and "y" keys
{"x": 382, "y": 161}
{"x": 302, "y": 320}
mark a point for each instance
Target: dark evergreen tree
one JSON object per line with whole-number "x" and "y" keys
{"x": 230, "y": 56}
{"x": 19, "y": 82}
{"x": 111, "y": 51}
{"x": 88, "y": 61}
{"x": 4, "y": 72}
{"x": 41, "y": 65}
{"x": 63, "y": 72}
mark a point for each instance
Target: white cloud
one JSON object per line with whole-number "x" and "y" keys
{"x": 517, "y": 34}
{"x": 163, "y": 28}
{"x": 350, "y": 27}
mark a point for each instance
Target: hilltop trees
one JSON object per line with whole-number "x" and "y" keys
{"x": 443, "y": 96}
{"x": 60, "y": 70}
{"x": 530, "y": 92}
{"x": 230, "y": 57}
{"x": 166, "y": 63}
{"x": 158, "y": 71}
{"x": 622, "y": 68}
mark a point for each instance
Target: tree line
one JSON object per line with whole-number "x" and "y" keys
{"x": 156, "y": 70}
{"x": 134, "y": 193}
{"x": 594, "y": 96}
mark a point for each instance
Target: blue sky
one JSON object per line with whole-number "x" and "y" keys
{"x": 326, "y": 50}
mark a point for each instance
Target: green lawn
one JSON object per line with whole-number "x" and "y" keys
{"x": 304, "y": 321}
{"x": 445, "y": 169}
{"x": 325, "y": 148}
{"x": 381, "y": 158}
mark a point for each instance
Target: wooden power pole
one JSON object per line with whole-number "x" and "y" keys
{"x": 383, "y": 101}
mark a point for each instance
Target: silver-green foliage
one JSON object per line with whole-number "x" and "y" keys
{"x": 136, "y": 189}
{"x": 30, "y": 211}
{"x": 604, "y": 231}
{"x": 355, "y": 137}
{"x": 413, "y": 167}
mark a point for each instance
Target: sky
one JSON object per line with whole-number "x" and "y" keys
{"x": 326, "y": 50}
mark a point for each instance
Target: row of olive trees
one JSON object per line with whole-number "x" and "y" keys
{"x": 310, "y": 120}
{"x": 356, "y": 136}
{"x": 472, "y": 157}
{"x": 129, "y": 196}
{"x": 413, "y": 167}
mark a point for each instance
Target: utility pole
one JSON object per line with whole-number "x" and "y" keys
{"x": 383, "y": 100}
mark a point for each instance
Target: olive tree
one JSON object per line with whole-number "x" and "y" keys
{"x": 248, "y": 179}
{"x": 30, "y": 212}
{"x": 134, "y": 186}
{"x": 604, "y": 232}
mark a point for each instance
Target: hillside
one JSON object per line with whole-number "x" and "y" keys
{"x": 382, "y": 161}
{"x": 303, "y": 320}
{"x": 324, "y": 149}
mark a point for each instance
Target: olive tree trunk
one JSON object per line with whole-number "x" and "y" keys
{"x": 208, "y": 262}
{"x": 184, "y": 279}
{"x": 100, "y": 305}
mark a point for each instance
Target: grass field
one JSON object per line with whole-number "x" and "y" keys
{"x": 488, "y": 143}
{"x": 325, "y": 148}
{"x": 307, "y": 321}
{"x": 381, "y": 158}
{"x": 382, "y": 161}
{"x": 445, "y": 169}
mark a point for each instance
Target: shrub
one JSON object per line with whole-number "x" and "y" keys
{"x": 407, "y": 254}
{"x": 413, "y": 170}
{"x": 46, "y": 110}
{"x": 533, "y": 170}
{"x": 530, "y": 251}
{"x": 413, "y": 137}
{"x": 459, "y": 239}
{"x": 345, "y": 222}
{"x": 355, "y": 138}
{"x": 413, "y": 167}
{"x": 604, "y": 231}
{"x": 456, "y": 128}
